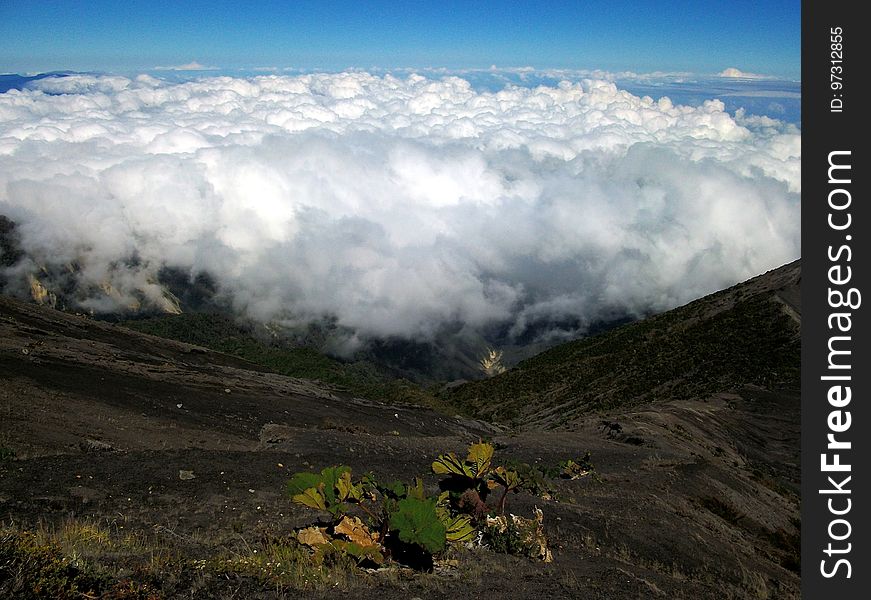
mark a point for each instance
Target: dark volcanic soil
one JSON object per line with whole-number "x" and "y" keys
{"x": 694, "y": 499}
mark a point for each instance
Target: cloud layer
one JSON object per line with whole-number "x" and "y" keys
{"x": 397, "y": 206}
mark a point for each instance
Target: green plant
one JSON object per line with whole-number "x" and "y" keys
{"x": 467, "y": 481}
{"x": 349, "y": 538}
{"x": 575, "y": 469}
{"x": 416, "y": 522}
{"x": 458, "y": 528}
{"x": 331, "y": 490}
{"x": 510, "y": 482}
{"x": 407, "y": 525}
{"x": 399, "y": 515}
{"x": 470, "y": 481}
{"x": 534, "y": 480}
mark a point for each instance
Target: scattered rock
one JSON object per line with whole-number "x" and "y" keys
{"x": 273, "y": 434}
{"x": 186, "y": 475}
{"x": 614, "y": 431}
{"x": 611, "y": 428}
{"x": 86, "y": 494}
{"x": 91, "y": 445}
{"x": 328, "y": 423}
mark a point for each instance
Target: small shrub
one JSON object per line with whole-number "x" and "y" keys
{"x": 30, "y": 569}
{"x": 517, "y": 535}
{"x": 405, "y": 516}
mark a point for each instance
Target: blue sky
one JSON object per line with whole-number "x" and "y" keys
{"x": 643, "y": 36}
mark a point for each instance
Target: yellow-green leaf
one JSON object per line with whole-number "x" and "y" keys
{"x": 510, "y": 479}
{"x": 450, "y": 464}
{"x": 459, "y": 529}
{"x": 346, "y": 489}
{"x": 415, "y": 490}
{"x": 312, "y": 497}
{"x": 479, "y": 459}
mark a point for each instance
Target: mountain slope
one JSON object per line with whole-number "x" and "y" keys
{"x": 190, "y": 449}
{"x": 259, "y": 345}
{"x": 67, "y": 379}
{"x": 747, "y": 334}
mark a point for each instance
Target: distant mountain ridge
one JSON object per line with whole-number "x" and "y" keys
{"x": 747, "y": 334}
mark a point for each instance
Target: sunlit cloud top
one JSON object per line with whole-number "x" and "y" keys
{"x": 395, "y": 206}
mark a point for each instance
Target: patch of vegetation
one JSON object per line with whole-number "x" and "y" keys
{"x": 534, "y": 480}
{"x": 723, "y": 510}
{"x": 223, "y": 334}
{"x": 6, "y": 454}
{"x": 407, "y": 526}
{"x": 773, "y": 482}
{"x": 82, "y": 559}
{"x": 402, "y": 520}
{"x": 32, "y": 567}
{"x": 283, "y": 564}
{"x": 690, "y": 352}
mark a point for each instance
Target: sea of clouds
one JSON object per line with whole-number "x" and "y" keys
{"x": 397, "y": 205}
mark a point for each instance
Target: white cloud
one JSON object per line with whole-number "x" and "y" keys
{"x": 191, "y": 66}
{"x": 734, "y": 73}
{"x": 398, "y": 206}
